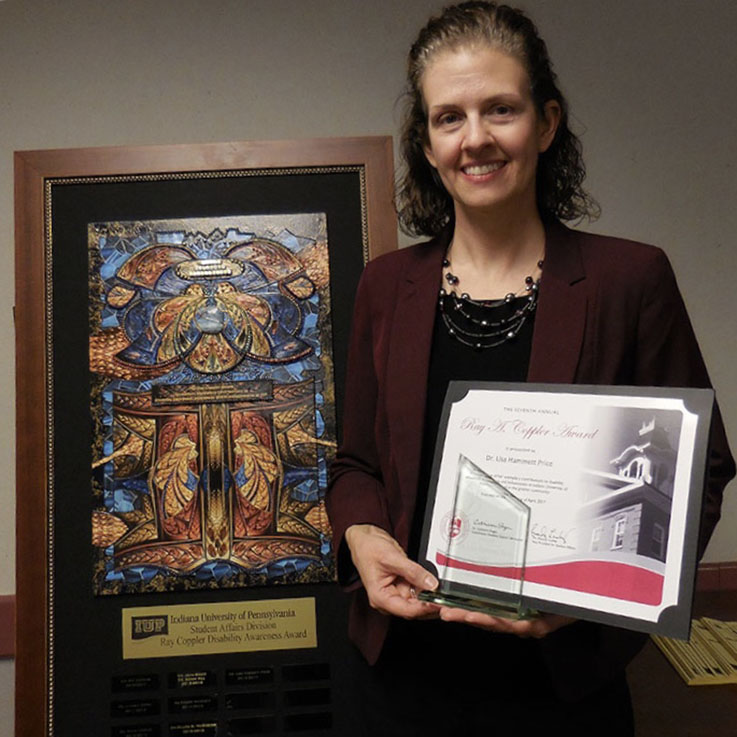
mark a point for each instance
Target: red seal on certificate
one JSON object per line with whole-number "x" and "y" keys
{"x": 454, "y": 526}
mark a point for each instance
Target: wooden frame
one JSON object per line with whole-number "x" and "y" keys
{"x": 34, "y": 171}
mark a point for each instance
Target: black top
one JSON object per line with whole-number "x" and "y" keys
{"x": 452, "y": 360}
{"x": 434, "y": 646}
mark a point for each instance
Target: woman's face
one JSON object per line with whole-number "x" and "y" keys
{"x": 484, "y": 133}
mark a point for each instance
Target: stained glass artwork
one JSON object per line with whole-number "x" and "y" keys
{"x": 212, "y": 402}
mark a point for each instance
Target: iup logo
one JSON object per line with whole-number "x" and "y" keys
{"x": 143, "y": 627}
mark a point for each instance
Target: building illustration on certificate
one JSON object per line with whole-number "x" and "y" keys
{"x": 212, "y": 402}
{"x": 628, "y": 509}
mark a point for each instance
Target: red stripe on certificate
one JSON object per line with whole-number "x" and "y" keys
{"x": 604, "y": 578}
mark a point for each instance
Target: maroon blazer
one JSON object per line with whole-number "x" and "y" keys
{"x": 609, "y": 312}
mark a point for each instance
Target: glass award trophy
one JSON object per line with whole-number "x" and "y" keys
{"x": 476, "y": 547}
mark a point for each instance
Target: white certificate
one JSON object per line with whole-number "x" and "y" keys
{"x": 581, "y": 500}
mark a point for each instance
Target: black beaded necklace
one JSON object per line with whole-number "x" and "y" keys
{"x": 484, "y": 324}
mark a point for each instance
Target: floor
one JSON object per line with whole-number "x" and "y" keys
{"x": 665, "y": 706}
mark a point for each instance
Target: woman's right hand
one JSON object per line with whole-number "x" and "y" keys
{"x": 388, "y": 575}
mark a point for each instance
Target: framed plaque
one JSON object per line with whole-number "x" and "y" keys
{"x": 181, "y": 315}
{"x": 575, "y": 500}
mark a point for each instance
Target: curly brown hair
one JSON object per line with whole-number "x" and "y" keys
{"x": 423, "y": 205}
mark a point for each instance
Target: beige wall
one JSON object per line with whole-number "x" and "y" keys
{"x": 649, "y": 82}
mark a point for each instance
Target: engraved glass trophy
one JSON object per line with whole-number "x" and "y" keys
{"x": 476, "y": 546}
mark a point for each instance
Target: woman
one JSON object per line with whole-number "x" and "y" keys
{"x": 502, "y": 292}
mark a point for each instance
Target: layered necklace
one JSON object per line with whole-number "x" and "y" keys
{"x": 484, "y": 324}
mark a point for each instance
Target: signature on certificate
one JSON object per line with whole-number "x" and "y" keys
{"x": 559, "y": 537}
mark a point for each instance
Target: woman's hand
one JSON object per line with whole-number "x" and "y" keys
{"x": 539, "y": 627}
{"x": 388, "y": 575}
{"x": 390, "y": 579}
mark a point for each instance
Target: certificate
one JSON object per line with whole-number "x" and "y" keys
{"x": 576, "y": 500}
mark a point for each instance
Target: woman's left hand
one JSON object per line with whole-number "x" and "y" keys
{"x": 537, "y": 628}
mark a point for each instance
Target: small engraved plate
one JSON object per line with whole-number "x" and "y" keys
{"x": 140, "y": 682}
{"x": 192, "y": 704}
{"x": 194, "y": 729}
{"x": 136, "y": 730}
{"x": 209, "y": 268}
{"x": 192, "y": 679}
{"x": 137, "y": 708}
{"x": 234, "y": 391}
{"x": 249, "y": 676}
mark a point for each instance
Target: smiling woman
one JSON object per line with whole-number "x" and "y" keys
{"x": 485, "y": 134}
{"x": 503, "y": 292}
{"x": 423, "y": 203}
